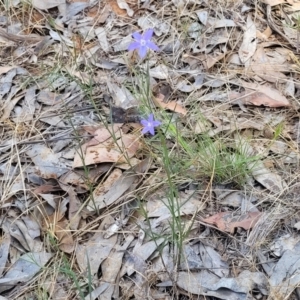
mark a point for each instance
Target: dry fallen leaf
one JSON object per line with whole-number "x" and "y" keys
{"x": 225, "y": 221}
{"x": 258, "y": 99}
{"x": 273, "y": 2}
{"x": 93, "y": 12}
{"x": 104, "y": 187}
{"x": 109, "y": 151}
{"x": 111, "y": 267}
{"x": 248, "y": 46}
{"x": 219, "y": 23}
{"x": 197, "y": 283}
{"x": 256, "y": 94}
{"x": 293, "y": 5}
{"x": 25, "y": 268}
{"x": 124, "y": 5}
{"x": 4, "y": 250}
{"x": 101, "y": 35}
{"x": 96, "y": 249}
{"x": 266, "y": 69}
{"x": 264, "y": 35}
{"x": 20, "y": 38}
{"x": 57, "y": 225}
{"x": 48, "y": 164}
{"x": 284, "y": 276}
{"x": 270, "y": 180}
{"x": 46, "y": 4}
{"x": 150, "y": 21}
{"x": 116, "y": 8}
{"x": 101, "y": 133}
{"x": 172, "y": 105}
{"x": 128, "y": 180}
{"x": 211, "y": 60}
{"x": 65, "y": 238}
{"x": 19, "y": 230}
{"x": 108, "y": 145}
{"x": 74, "y": 206}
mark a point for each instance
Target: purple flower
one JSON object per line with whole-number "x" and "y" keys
{"x": 142, "y": 43}
{"x": 149, "y": 124}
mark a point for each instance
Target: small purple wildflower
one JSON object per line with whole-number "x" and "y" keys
{"x": 143, "y": 43}
{"x": 149, "y": 124}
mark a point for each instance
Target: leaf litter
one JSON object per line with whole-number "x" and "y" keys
{"x": 83, "y": 190}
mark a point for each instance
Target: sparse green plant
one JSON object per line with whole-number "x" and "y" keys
{"x": 225, "y": 162}
{"x": 64, "y": 267}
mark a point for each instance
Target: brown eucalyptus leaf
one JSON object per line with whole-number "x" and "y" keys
{"x": 226, "y": 221}
{"x": 171, "y": 105}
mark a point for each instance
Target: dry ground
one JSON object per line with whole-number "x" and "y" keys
{"x": 207, "y": 208}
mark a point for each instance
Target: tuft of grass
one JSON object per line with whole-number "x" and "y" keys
{"x": 224, "y": 162}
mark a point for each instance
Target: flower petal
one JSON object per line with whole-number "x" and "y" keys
{"x": 151, "y": 130}
{"x": 152, "y": 46}
{"x": 144, "y": 123}
{"x": 133, "y": 46}
{"x": 148, "y": 34}
{"x": 143, "y": 51}
{"x": 156, "y": 123}
{"x": 151, "y": 118}
{"x": 137, "y": 36}
{"x": 145, "y": 130}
